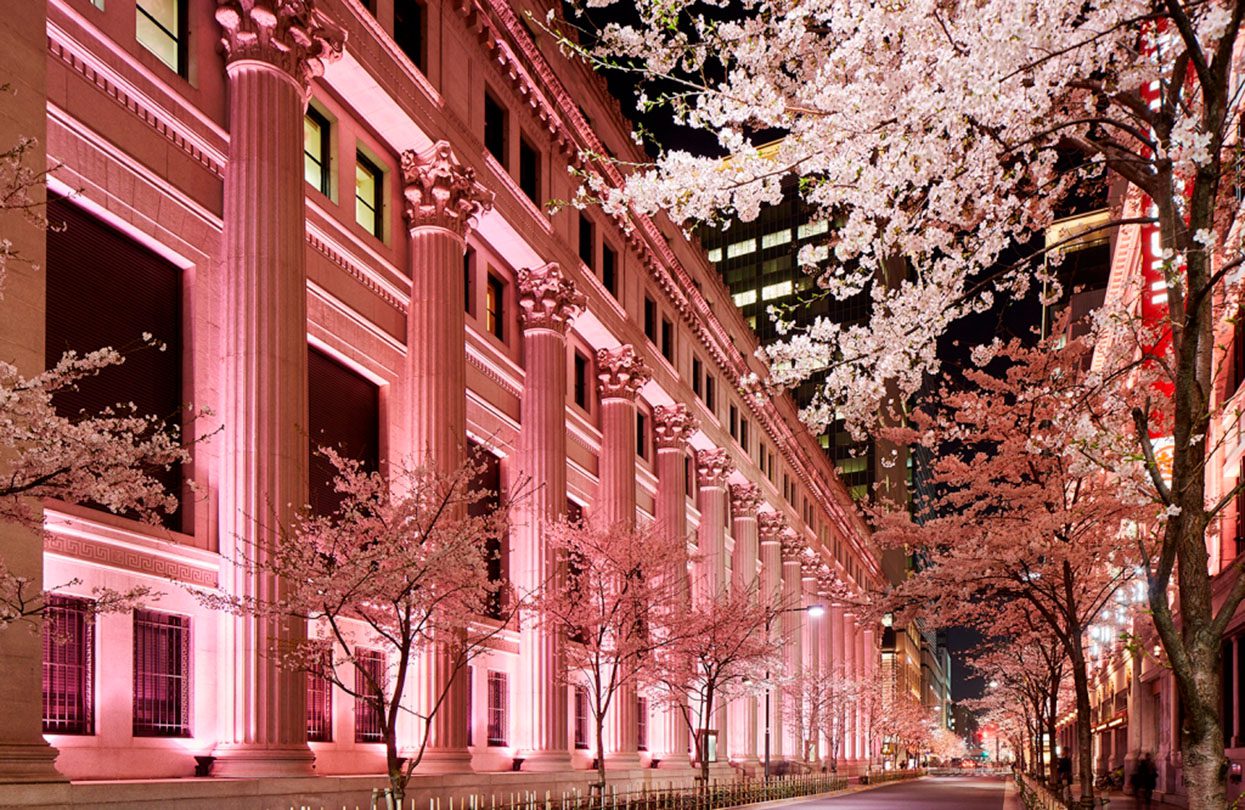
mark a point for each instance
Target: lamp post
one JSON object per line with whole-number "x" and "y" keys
{"x": 814, "y": 611}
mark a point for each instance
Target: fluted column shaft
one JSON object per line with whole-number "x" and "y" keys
{"x": 861, "y": 714}
{"x": 812, "y": 662}
{"x": 838, "y": 654}
{"x": 264, "y": 371}
{"x": 745, "y": 498}
{"x": 793, "y": 654}
{"x": 869, "y": 645}
{"x": 547, "y": 302}
{"x": 825, "y": 668}
{"x": 672, "y": 427}
{"x": 440, "y": 199}
{"x": 769, "y": 526}
{"x": 621, "y": 374}
{"x": 850, "y": 670}
{"x": 712, "y": 468}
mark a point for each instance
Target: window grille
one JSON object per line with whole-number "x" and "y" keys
{"x": 68, "y": 666}
{"x": 369, "y": 674}
{"x": 498, "y": 708}
{"x": 641, "y": 731}
{"x": 581, "y": 718}
{"x": 320, "y": 702}
{"x": 161, "y": 674}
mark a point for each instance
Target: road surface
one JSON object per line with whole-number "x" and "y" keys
{"x": 931, "y": 793}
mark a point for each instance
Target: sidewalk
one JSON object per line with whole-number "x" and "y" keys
{"x": 1119, "y": 800}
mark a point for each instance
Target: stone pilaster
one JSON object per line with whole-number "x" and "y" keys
{"x": 673, "y": 427}
{"x": 859, "y": 639}
{"x": 713, "y": 467}
{"x": 851, "y": 720}
{"x": 793, "y": 636}
{"x": 825, "y": 653}
{"x": 745, "y": 500}
{"x": 870, "y": 660}
{"x": 812, "y": 653}
{"x": 838, "y": 653}
{"x": 273, "y": 48}
{"x": 621, "y": 373}
{"x": 547, "y": 303}
{"x": 770, "y": 527}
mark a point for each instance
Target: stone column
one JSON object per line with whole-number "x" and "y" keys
{"x": 745, "y": 499}
{"x": 869, "y": 644}
{"x": 812, "y": 653}
{"x": 272, "y": 52}
{"x": 852, "y": 719}
{"x": 547, "y": 302}
{"x": 859, "y": 638}
{"x": 673, "y": 426}
{"x": 838, "y": 655}
{"x": 770, "y": 526}
{"x": 825, "y": 656}
{"x": 713, "y": 467}
{"x": 621, "y": 373}
{"x": 792, "y": 621}
{"x": 441, "y": 198}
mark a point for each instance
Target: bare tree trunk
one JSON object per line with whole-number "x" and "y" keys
{"x": 1084, "y": 733}
{"x": 600, "y": 721}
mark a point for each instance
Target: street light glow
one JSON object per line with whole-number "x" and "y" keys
{"x": 816, "y": 611}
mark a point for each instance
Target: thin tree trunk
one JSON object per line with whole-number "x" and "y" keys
{"x": 1085, "y": 761}
{"x": 600, "y": 721}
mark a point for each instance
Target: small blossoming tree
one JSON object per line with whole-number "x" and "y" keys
{"x": 623, "y": 586}
{"x": 396, "y": 568}
{"x": 821, "y": 705}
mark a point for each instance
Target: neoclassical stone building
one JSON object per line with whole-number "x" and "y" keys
{"x": 336, "y": 217}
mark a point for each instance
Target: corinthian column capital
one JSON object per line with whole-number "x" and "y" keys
{"x": 621, "y": 372}
{"x": 547, "y": 298}
{"x": 792, "y": 545}
{"x": 440, "y": 191}
{"x": 713, "y": 467}
{"x": 673, "y": 426}
{"x": 770, "y": 525}
{"x": 292, "y": 35}
{"x": 745, "y": 499}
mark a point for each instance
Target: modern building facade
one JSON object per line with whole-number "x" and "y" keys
{"x": 334, "y": 216}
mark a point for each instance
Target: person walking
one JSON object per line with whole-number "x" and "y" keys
{"x": 1145, "y": 778}
{"x": 1063, "y": 770}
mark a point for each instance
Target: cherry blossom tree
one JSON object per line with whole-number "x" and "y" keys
{"x": 946, "y": 745}
{"x": 1043, "y": 539}
{"x": 716, "y": 650}
{"x": 821, "y": 703}
{"x": 935, "y": 136}
{"x": 396, "y": 568}
{"x": 902, "y": 720}
{"x": 624, "y": 586}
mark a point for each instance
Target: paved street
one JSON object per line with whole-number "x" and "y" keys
{"x": 933, "y": 793}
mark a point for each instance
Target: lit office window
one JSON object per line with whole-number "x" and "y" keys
{"x": 771, "y": 291}
{"x": 161, "y": 29}
{"x": 369, "y": 183}
{"x": 316, "y": 150}
{"x": 745, "y": 298}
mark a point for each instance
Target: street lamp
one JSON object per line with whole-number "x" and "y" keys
{"x": 815, "y": 612}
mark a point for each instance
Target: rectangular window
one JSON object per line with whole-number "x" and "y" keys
{"x": 641, "y": 434}
{"x": 320, "y": 702}
{"x": 343, "y": 413}
{"x": 715, "y": 255}
{"x": 495, "y": 307}
{"x": 650, "y": 320}
{"x": 162, "y": 31}
{"x": 68, "y": 666}
{"x": 161, "y": 675}
{"x": 488, "y": 483}
{"x": 667, "y": 340}
{"x": 743, "y": 433}
{"x": 498, "y": 708}
{"x": 734, "y": 422}
{"x": 587, "y": 241}
{"x": 817, "y": 226}
{"x": 741, "y": 248}
{"x": 779, "y": 290}
{"x": 495, "y": 128}
{"x": 529, "y": 170}
{"x": 471, "y": 685}
{"x": 410, "y": 20}
{"x": 745, "y": 298}
{"x": 711, "y": 393}
{"x": 689, "y": 477}
{"x": 698, "y": 369}
{"x": 609, "y": 269}
{"x": 369, "y": 185}
{"x": 369, "y": 681}
{"x": 641, "y": 731}
{"x": 469, "y": 287}
{"x": 776, "y": 238}
{"x": 581, "y": 381}
{"x": 582, "y": 719}
{"x": 316, "y": 150}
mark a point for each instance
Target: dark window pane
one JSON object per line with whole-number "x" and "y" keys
{"x": 498, "y": 708}
{"x": 581, "y": 381}
{"x": 529, "y": 170}
{"x": 369, "y": 682}
{"x": 495, "y": 128}
{"x": 68, "y": 666}
{"x": 586, "y": 241}
{"x": 495, "y": 307}
{"x": 650, "y": 319}
{"x": 410, "y": 19}
{"x": 320, "y": 702}
{"x": 343, "y": 413}
{"x": 161, "y": 675}
{"x": 609, "y": 269}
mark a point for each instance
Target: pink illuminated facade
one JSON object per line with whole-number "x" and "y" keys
{"x": 337, "y": 212}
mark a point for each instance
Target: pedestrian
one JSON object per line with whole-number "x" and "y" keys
{"x": 1064, "y": 769}
{"x": 1145, "y": 778}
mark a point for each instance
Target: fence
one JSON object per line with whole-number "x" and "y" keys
{"x": 1037, "y": 796}
{"x": 723, "y": 794}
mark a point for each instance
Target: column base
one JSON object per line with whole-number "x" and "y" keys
{"x": 29, "y": 763}
{"x": 623, "y": 760}
{"x": 447, "y": 760}
{"x": 546, "y": 761}
{"x": 254, "y": 761}
{"x": 673, "y": 762}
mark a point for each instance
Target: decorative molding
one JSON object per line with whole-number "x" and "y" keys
{"x": 621, "y": 372}
{"x": 745, "y": 500}
{"x": 548, "y": 299}
{"x": 713, "y": 467}
{"x": 292, "y": 35}
{"x": 673, "y": 426}
{"x": 130, "y": 559}
{"x": 770, "y": 525}
{"x": 354, "y": 270}
{"x": 440, "y": 191}
{"x": 793, "y": 546}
